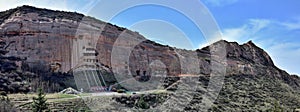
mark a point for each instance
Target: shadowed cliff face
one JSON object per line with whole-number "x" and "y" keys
{"x": 45, "y": 37}
{"x": 12, "y": 78}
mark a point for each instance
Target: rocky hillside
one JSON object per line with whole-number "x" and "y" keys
{"x": 252, "y": 83}
{"x": 51, "y": 41}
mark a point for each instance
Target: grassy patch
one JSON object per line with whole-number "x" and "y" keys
{"x": 26, "y": 97}
{"x": 59, "y": 96}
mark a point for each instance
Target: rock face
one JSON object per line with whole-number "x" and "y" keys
{"x": 12, "y": 78}
{"x": 45, "y": 37}
{"x": 57, "y": 41}
{"x": 251, "y": 60}
{"x": 41, "y": 38}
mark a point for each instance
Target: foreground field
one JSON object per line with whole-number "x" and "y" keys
{"x": 56, "y": 101}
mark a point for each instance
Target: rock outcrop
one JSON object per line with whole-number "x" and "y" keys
{"x": 57, "y": 41}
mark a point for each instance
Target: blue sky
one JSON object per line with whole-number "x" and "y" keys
{"x": 273, "y": 25}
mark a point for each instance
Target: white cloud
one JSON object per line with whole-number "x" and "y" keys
{"x": 243, "y": 33}
{"x": 202, "y": 45}
{"x": 276, "y": 37}
{"x": 291, "y": 25}
{"x": 286, "y": 56}
{"x": 219, "y": 3}
{"x": 246, "y": 31}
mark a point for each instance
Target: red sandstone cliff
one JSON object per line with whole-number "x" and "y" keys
{"x": 46, "y": 37}
{"x": 57, "y": 40}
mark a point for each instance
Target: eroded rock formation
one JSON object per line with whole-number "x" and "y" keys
{"x": 55, "y": 40}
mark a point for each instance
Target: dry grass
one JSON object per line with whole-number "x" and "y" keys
{"x": 27, "y": 97}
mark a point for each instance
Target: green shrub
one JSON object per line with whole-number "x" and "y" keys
{"x": 142, "y": 104}
{"x": 39, "y": 103}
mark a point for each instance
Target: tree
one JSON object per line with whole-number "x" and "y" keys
{"x": 39, "y": 103}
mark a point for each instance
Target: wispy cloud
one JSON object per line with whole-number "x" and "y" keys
{"x": 219, "y": 3}
{"x": 279, "y": 39}
{"x": 291, "y": 25}
{"x": 243, "y": 33}
{"x": 286, "y": 56}
{"x": 246, "y": 31}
